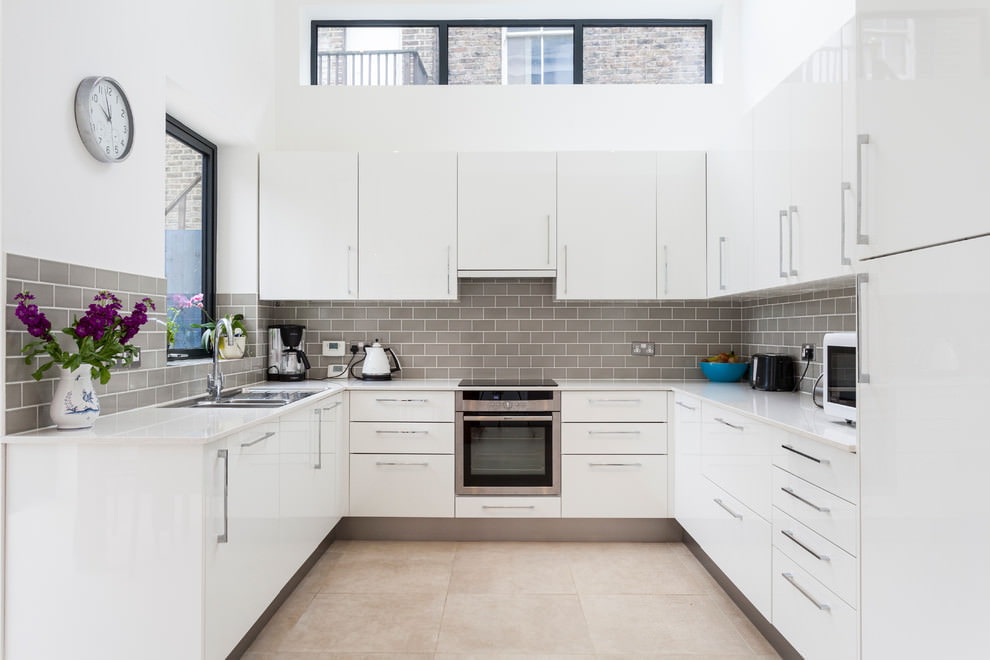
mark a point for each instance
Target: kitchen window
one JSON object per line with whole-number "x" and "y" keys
{"x": 190, "y": 230}
{"x": 543, "y": 52}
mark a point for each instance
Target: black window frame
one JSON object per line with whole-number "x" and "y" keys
{"x": 577, "y": 25}
{"x": 179, "y": 131}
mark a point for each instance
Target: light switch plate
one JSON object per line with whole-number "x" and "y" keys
{"x": 334, "y": 348}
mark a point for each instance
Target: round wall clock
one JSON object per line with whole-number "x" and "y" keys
{"x": 104, "y": 119}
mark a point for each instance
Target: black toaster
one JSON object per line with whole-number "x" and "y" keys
{"x": 773, "y": 372}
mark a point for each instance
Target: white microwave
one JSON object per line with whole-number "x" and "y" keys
{"x": 839, "y": 369}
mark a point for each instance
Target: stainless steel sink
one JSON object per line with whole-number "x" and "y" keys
{"x": 243, "y": 399}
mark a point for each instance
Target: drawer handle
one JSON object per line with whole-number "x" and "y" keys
{"x": 402, "y": 432}
{"x": 820, "y": 461}
{"x": 731, "y": 426}
{"x": 684, "y": 405}
{"x": 254, "y": 442}
{"x": 731, "y": 512}
{"x": 615, "y": 464}
{"x": 399, "y": 463}
{"x": 824, "y": 607}
{"x": 224, "y": 538}
{"x": 335, "y": 405}
{"x": 594, "y": 401}
{"x": 789, "y": 534}
{"x": 614, "y": 432}
{"x": 492, "y": 506}
{"x": 819, "y": 509}
{"x": 402, "y": 400}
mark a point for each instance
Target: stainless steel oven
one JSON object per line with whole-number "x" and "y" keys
{"x": 507, "y": 442}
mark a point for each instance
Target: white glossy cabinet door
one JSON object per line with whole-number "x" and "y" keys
{"x": 308, "y": 225}
{"x": 772, "y": 188}
{"x": 925, "y": 514}
{"x": 607, "y": 225}
{"x": 408, "y": 226}
{"x": 923, "y": 98}
{"x": 683, "y": 213}
{"x": 405, "y": 485}
{"x": 687, "y": 460}
{"x": 507, "y": 211}
{"x": 613, "y": 486}
{"x": 730, "y": 217}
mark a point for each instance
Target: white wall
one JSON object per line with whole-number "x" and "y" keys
{"x": 493, "y": 118}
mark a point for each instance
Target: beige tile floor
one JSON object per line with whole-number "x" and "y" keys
{"x": 378, "y": 599}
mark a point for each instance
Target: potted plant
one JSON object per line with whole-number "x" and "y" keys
{"x": 230, "y": 328}
{"x": 101, "y": 338}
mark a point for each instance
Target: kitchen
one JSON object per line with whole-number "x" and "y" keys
{"x": 254, "y": 98}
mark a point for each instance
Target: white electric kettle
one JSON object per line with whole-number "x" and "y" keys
{"x": 375, "y": 365}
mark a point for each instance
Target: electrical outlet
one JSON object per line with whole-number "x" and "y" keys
{"x": 337, "y": 369}
{"x": 643, "y": 348}
{"x": 807, "y": 352}
{"x": 333, "y": 348}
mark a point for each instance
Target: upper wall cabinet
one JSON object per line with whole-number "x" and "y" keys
{"x": 682, "y": 212}
{"x": 607, "y": 225}
{"x": 922, "y": 92}
{"x": 730, "y": 214}
{"x": 408, "y": 232}
{"x": 308, "y": 226}
{"x": 506, "y": 213}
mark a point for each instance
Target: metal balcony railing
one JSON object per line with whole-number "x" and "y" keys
{"x": 370, "y": 67}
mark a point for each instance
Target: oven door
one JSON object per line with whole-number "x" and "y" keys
{"x": 499, "y": 454}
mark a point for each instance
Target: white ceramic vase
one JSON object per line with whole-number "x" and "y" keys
{"x": 231, "y": 349}
{"x": 75, "y": 405}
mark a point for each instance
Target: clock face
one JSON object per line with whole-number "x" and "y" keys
{"x": 103, "y": 118}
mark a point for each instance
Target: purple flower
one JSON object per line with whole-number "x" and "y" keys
{"x": 138, "y": 317}
{"x": 37, "y": 324}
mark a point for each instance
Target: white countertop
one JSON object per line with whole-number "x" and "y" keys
{"x": 153, "y": 425}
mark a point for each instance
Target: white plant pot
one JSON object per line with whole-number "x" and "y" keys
{"x": 231, "y": 350}
{"x": 75, "y": 405}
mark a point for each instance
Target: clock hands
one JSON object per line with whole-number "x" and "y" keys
{"x": 107, "y": 110}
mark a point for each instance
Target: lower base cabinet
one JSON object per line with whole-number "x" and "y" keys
{"x": 402, "y": 485}
{"x": 613, "y": 486}
{"x": 816, "y": 622}
{"x": 505, "y": 506}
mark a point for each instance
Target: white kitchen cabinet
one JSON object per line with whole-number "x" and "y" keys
{"x": 613, "y": 406}
{"x": 308, "y": 225}
{"x": 835, "y": 568}
{"x": 686, "y": 441}
{"x": 736, "y": 454}
{"x": 925, "y": 381}
{"x": 402, "y": 406}
{"x": 682, "y": 182}
{"x": 408, "y": 226}
{"x": 402, "y": 485}
{"x": 922, "y": 98}
{"x": 507, "y": 212}
{"x": 506, "y": 506}
{"x": 613, "y": 486}
{"x": 730, "y": 216}
{"x": 606, "y": 225}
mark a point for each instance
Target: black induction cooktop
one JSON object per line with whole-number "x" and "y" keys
{"x": 503, "y": 383}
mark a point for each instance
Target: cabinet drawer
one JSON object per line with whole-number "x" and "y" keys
{"x": 610, "y": 486}
{"x": 827, "y": 467}
{"x": 613, "y": 406}
{"x": 828, "y": 563}
{"x": 817, "y": 623}
{"x": 736, "y": 455}
{"x": 737, "y": 540}
{"x": 402, "y": 406}
{"x": 686, "y": 408}
{"x": 402, "y": 437}
{"x": 417, "y": 485}
{"x": 832, "y": 517}
{"x": 507, "y": 507}
{"x": 261, "y": 439}
{"x": 613, "y": 438}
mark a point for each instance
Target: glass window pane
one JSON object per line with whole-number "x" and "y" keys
{"x": 519, "y": 55}
{"x": 183, "y": 239}
{"x": 377, "y": 55}
{"x": 644, "y": 55}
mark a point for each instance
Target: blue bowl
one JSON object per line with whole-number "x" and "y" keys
{"x": 724, "y": 372}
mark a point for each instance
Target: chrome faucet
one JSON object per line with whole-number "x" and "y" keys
{"x": 214, "y": 381}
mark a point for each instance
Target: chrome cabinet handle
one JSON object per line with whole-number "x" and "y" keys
{"x": 492, "y": 506}
{"x": 843, "y": 259}
{"x": 821, "y": 606}
{"x": 615, "y": 465}
{"x": 384, "y": 431}
{"x": 614, "y": 432}
{"x": 780, "y": 244}
{"x": 222, "y": 453}
{"x": 448, "y": 270}
{"x": 508, "y": 418}
{"x": 666, "y": 272}
{"x": 319, "y": 439}
{"x": 819, "y": 509}
{"x": 684, "y": 405}
{"x": 254, "y": 442}
{"x": 400, "y": 463}
{"x": 791, "y": 211}
{"x": 789, "y": 534}
{"x": 721, "y": 263}
{"x": 730, "y": 425}
{"x": 349, "y": 270}
{"x": 862, "y": 140}
{"x": 862, "y": 376}
{"x": 731, "y": 512}
{"x": 402, "y": 400}
{"x": 565, "y": 270}
{"x": 336, "y": 404}
{"x": 820, "y": 461}
{"x": 594, "y": 401}
{"x": 549, "y": 236}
